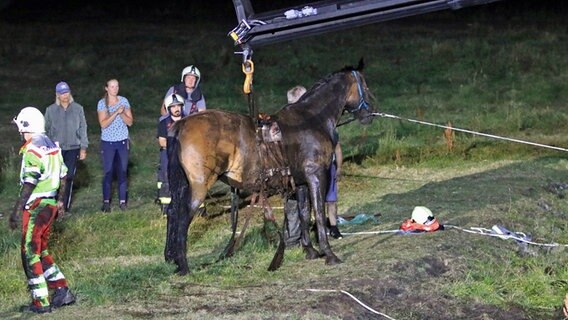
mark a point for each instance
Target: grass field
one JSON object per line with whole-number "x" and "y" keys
{"x": 497, "y": 74}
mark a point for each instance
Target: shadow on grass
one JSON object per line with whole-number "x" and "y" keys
{"x": 456, "y": 197}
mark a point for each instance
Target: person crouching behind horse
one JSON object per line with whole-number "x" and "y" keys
{"x": 331, "y": 196}
{"x": 292, "y": 233}
{"x": 42, "y": 199}
{"x": 174, "y": 104}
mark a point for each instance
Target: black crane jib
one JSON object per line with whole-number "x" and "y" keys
{"x": 257, "y": 29}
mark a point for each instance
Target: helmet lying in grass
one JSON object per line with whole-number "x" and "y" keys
{"x": 422, "y": 220}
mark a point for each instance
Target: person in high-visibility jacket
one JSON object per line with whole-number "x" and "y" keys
{"x": 42, "y": 199}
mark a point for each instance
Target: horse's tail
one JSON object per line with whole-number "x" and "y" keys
{"x": 179, "y": 185}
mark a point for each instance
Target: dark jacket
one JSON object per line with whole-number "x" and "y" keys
{"x": 68, "y": 126}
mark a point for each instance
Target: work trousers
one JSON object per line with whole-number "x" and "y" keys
{"x": 292, "y": 232}
{"x": 40, "y": 268}
{"x": 164, "y": 187}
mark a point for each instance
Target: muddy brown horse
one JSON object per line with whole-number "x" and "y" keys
{"x": 216, "y": 144}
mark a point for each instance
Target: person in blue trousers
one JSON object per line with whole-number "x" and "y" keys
{"x": 115, "y": 116}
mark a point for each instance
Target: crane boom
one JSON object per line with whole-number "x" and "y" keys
{"x": 258, "y": 29}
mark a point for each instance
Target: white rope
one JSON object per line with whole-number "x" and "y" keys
{"x": 372, "y": 232}
{"x": 385, "y": 115}
{"x": 518, "y": 236}
{"x": 356, "y": 300}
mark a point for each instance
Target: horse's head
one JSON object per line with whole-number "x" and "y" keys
{"x": 358, "y": 98}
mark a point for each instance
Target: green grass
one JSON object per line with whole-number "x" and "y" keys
{"x": 500, "y": 77}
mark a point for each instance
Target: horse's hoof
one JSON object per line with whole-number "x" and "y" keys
{"x": 311, "y": 253}
{"x": 182, "y": 271}
{"x": 332, "y": 260}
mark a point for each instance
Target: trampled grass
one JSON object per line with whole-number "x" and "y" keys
{"x": 483, "y": 73}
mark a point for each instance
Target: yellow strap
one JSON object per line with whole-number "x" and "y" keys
{"x": 248, "y": 70}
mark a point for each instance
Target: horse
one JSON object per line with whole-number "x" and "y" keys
{"x": 216, "y": 144}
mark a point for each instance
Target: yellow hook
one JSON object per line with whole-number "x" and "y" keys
{"x": 248, "y": 70}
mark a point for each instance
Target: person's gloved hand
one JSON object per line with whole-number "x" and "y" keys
{"x": 27, "y": 189}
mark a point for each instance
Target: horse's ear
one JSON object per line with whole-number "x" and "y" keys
{"x": 361, "y": 65}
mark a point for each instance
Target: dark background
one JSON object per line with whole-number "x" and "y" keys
{"x": 221, "y": 10}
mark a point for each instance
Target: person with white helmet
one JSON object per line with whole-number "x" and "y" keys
{"x": 41, "y": 201}
{"x": 65, "y": 124}
{"x": 174, "y": 105}
{"x": 189, "y": 89}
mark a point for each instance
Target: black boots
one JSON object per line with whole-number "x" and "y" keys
{"x": 334, "y": 232}
{"x": 35, "y": 309}
{"x": 106, "y": 207}
{"x": 62, "y": 297}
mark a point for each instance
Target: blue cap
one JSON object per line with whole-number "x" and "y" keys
{"x": 62, "y": 87}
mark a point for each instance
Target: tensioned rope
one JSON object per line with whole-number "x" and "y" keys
{"x": 494, "y": 232}
{"x": 386, "y": 115}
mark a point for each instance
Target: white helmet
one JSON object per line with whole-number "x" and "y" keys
{"x": 422, "y": 215}
{"x": 30, "y": 120}
{"x": 193, "y": 71}
{"x": 172, "y": 100}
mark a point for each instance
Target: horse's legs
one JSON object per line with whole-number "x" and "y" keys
{"x": 171, "y": 232}
{"x": 304, "y": 210}
{"x": 230, "y": 248}
{"x": 316, "y": 194}
{"x": 184, "y": 219}
{"x": 183, "y": 222}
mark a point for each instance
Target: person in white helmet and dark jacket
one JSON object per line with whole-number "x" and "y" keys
{"x": 174, "y": 105}
{"x": 189, "y": 89}
{"x": 41, "y": 201}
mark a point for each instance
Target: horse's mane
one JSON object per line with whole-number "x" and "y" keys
{"x": 328, "y": 78}
{"x": 314, "y": 91}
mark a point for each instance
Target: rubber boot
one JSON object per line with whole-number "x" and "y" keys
{"x": 292, "y": 234}
{"x": 62, "y": 297}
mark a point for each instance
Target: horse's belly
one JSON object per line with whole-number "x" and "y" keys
{"x": 242, "y": 172}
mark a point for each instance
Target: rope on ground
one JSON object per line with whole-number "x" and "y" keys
{"x": 502, "y": 233}
{"x": 496, "y": 231}
{"x": 372, "y": 232}
{"x": 354, "y": 298}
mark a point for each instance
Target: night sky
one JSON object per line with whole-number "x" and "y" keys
{"x": 51, "y": 10}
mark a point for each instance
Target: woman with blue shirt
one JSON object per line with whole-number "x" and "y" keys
{"x": 115, "y": 116}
